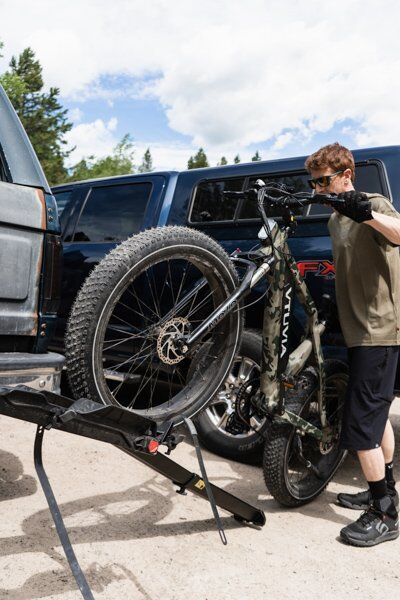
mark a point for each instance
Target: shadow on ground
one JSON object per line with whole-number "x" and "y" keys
{"x": 92, "y": 519}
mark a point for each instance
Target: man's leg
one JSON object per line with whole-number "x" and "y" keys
{"x": 376, "y": 464}
{"x": 372, "y": 464}
{"x": 388, "y": 443}
{"x": 366, "y": 429}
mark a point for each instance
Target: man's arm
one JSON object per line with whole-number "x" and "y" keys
{"x": 386, "y": 225}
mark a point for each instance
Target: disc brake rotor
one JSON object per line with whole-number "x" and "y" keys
{"x": 170, "y": 331}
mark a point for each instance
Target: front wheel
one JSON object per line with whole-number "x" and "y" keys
{"x": 125, "y": 325}
{"x": 296, "y": 467}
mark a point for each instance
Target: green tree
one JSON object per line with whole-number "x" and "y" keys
{"x": 147, "y": 162}
{"x": 41, "y": 113}
{"x": 198, "y": 160}
{"x": 256, "y": 157}
{"x": 120, "y": 162}
{"x": 222, "y": 162}
{"x": 236, "y": 160}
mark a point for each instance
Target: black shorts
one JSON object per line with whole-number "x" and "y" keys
{"x": 369, "y": 396}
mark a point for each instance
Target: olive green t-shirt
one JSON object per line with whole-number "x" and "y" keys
{"x": 367, "y": 269}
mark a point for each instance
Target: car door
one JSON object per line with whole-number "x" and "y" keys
{"x": 97, "y": 217}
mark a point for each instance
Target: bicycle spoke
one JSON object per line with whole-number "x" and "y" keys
{"x": 202, "y": 303}
{"x": 142, "y": 385}
{"x": 134, "y": 358}
{"x": 141, "y": 301}
{"x": 171, "y": 285}
{"x": 183, "y": 280}
{"x": 152, "y": 294}
{"x": 130, "y": 372}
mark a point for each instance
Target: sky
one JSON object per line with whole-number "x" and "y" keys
{"x": 281, "y": 77}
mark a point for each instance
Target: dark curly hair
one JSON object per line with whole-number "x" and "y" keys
{"x": 335, "y": 156}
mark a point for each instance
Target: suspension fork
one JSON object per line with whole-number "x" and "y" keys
{"x": 250, "y": 279}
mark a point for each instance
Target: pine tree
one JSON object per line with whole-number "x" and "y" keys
{"x": 41, "y": 113}
{"x": 256, "y": 157}
{"x": 236, "y": 160}
{"x": 198, "y": 161}
{"x": 120, "y": 162}
{"x": 147, "y": 162}
{"x": 222, "y": 162}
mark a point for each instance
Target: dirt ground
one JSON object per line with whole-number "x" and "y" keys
{"x": 137, "y": 539}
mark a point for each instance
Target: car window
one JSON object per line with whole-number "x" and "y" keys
{"x": 112, "y": 213}
{"x": 296, "y": 181}
{"x": 62, "y": 199}
{"x": 368, "y": 179}
{"x": 210, "y": 204}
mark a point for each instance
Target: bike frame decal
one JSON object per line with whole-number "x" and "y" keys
{"x": 286, "y": 312}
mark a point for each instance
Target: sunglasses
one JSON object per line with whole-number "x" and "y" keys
{"x": 322, "y": 181}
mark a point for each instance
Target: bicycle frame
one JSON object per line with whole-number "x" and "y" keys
{"x": 279, "y": 368}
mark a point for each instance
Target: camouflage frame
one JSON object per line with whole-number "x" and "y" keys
{"x": 279, "y": 368}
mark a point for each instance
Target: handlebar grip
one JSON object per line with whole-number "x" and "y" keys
{"x": 327, "y": 199}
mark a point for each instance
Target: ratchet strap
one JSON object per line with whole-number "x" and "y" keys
{"x": 57, "y": 518}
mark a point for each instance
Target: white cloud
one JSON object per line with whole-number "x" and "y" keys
{"x": 228, "y": 73}
{"x": 96, "y": 138}
{"x": 75, "y": 115}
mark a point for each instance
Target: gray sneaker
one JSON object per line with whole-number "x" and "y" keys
{"x": 362, "y": 500}
{"x": 380, "y": 523}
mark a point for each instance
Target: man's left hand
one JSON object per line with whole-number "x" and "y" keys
{"x": 356, "y": 206}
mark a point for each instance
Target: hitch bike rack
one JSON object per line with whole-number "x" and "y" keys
{"x": 136, "y": 435}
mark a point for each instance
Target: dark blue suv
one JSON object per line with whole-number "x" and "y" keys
{"x": 96, "y": 215}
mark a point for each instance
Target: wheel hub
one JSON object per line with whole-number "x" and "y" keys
{"x": 170, "y": 332}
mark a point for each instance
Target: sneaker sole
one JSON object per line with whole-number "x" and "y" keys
{"x": 346, "y": 504}
{"x": 385, "y": 537}
{"x": 352, "y": 506}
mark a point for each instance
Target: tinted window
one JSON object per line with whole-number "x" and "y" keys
{"x": 211, "y": 205}
{"x": 113, "y": 213}
{"x": 296, "y": 181}
{"x": 62, "y": 199}
{"x": 367, "y": 180}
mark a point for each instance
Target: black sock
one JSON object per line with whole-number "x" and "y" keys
{"x": 389, "y": 476}
{"x": 378, "y": 489}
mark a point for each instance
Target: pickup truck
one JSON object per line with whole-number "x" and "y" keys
{"x": 30, "y": 260}
{"x": 98, "y": 214}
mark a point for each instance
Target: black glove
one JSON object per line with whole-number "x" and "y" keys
{"x": 356, "y": 206}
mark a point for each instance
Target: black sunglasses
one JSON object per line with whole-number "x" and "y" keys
{"x": 322, "y": 181}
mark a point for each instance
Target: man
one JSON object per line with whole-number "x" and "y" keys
{"x": 365, "y": 233}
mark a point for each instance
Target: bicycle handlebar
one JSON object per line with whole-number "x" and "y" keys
{"x": 278, "y": 200}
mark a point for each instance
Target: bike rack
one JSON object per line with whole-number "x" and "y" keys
{"x": 134, "y": 434}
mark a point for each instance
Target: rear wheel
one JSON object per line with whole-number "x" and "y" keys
{"x": 143, "y": 296}
{"x": 296, "y": 467}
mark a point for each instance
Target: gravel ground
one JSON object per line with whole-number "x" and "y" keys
{"x": 137, "y": 539}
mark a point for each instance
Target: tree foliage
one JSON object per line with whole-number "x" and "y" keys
{"x": 222, "y": 162}
{"x": 198, "y": 161}
{"x": 41, "y": 113}
{"x": 256, "y": 157}
{"x": 120, "y": 162}
{"x": 236, "y": 160}
{"x": 147, "y": 162}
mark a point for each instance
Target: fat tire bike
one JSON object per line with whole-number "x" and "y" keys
{"x": 157, "y": 323}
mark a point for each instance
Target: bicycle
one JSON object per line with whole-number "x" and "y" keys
{"x": 156, "y": 325}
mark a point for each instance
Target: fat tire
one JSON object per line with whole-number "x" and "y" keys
{"x": 104, "y": 280}
{"x": 280, "y": 434}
